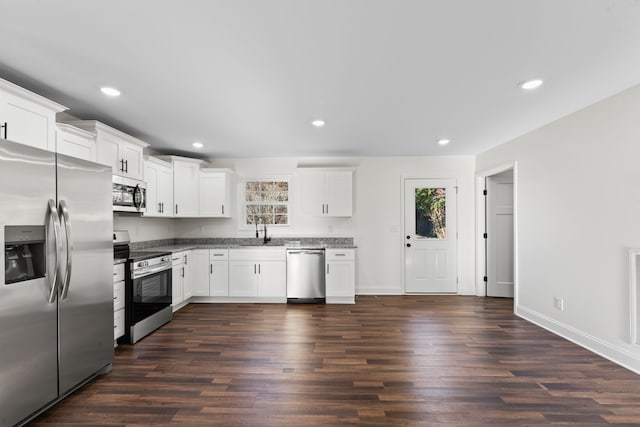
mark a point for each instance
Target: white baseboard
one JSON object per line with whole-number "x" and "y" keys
{"x": 614, "y": 353}
{"x": 378, "y": 291}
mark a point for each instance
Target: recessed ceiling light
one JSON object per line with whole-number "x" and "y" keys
{"x": 198, "y": 144}
{"x": 530, "y": 84}
{"x": 444, "y": 141}
{"x": 110, "y": 91}
{"x": 318, "y": 123}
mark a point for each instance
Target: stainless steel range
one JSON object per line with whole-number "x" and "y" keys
{"x": 147, "y": 292}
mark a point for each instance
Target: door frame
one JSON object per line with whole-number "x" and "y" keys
{"x": 401, "y": 240}
{"x": 481, "y": 257}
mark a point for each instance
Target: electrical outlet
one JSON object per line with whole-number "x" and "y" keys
{"x": 558, "y": 303}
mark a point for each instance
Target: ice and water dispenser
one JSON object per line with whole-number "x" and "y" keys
{"x": 24, "y": 253}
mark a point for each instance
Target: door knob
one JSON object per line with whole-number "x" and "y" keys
{"x": 408, "y": 245}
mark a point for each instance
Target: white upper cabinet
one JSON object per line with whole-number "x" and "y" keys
{"x": 186, "y": 182}
{"x": 75, "y": 142}
{"x": 158, "y": 175}
{"x": 116, "y": 149}
{"x": 27, "y": 118}
{"x": 215, "y": 193}
{"x": 327, "y": 192}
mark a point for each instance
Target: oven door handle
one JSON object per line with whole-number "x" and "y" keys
{"x": 150, "y": 270}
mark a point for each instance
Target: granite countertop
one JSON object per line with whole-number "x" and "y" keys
{"x": 179, "y": 245}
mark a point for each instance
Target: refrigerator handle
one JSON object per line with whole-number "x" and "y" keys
{"x": 55, "y": 218}
{"x": 67, "y": 230}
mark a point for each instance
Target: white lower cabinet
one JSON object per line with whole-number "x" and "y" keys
{"x": 118, "y": 301}
{"x": 340, "y": 276}
{"x": 219, "y": 272}
{"x": 258, "y": 273}
{"x": 181, "y": 289}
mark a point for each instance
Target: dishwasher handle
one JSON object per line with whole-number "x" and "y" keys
{"x": 306, "y": 252}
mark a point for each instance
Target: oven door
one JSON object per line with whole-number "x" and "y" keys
{"x": 150, "y": 294}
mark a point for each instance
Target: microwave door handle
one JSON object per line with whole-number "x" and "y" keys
{"x": 67, "y": 230}
{"x": 55, "y": 218}
{"x": 137, "y": 192}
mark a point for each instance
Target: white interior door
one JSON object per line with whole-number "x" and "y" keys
{"x": 499, "y": 204}
{"x": 430, "y": 243}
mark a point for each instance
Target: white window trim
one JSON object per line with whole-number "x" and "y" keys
{"x": 242, "y": 187}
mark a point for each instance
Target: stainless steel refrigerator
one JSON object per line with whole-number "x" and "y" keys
{"x": 56, "y": 297}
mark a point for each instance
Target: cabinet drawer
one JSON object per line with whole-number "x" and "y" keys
{"x": 118, "y": 272}
{"x": 218, "y": 254}
{"x": 118, "y": 324}
{"x": 339, "y": 254}
{"x": 118, "y": 296}
{"x": 177, "y": 258}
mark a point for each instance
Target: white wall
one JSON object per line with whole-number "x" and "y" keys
{"x": 377, "y": 223}
{"x": 142, "y": 229}
{"x": 578, "y": 213}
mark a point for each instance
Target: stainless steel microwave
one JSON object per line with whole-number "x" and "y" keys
{"x": 129, "y": 195}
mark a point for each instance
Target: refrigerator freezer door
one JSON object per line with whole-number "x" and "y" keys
{"x": 28, "y": 336}
{"x": 85, "y": 297}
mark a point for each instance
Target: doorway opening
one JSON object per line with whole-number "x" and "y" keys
{"x": 496, "y": 220}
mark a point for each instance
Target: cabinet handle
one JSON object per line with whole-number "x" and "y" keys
{"x": 182, "y": 271}
{"x": 159, "y": 207}
{"x": 327, "y": 268}
{"x": 210, "y": 268}
{"x": 222, "y": 209}
{"x": 162, "y": 207}
{"x": 5, "y": 126}
{"x": 323, "y": 209}
{"x": 176, "y": 209}
{"x": 327, "y": 208}
{"x": 254, "y": 269}
{"x": 122, "y": 165}
{"x": 126, "y": 166}
{"x": 340, "y": 254}
{"x": 259, "y": 269}
{"x": 186, "y": 259}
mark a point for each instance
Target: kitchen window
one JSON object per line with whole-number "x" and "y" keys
{"x": 266, "y": 201}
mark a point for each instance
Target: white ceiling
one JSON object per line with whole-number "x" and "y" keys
{"x": 389, "y": 77}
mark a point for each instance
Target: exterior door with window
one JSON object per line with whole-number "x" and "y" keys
{"x": 430, "y": 243}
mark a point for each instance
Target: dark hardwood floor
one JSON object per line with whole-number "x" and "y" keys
{"x": 392, "y": 361}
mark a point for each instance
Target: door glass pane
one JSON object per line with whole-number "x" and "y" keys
{"x": 431, "y": 220}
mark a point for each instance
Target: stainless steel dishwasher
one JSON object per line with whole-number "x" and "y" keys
{"x": 305, "y": 276}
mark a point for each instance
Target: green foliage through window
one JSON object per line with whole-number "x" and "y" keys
{"x": 431, "y": 219}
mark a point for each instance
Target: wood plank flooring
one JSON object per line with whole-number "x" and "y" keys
{"x": 387, "y": 361}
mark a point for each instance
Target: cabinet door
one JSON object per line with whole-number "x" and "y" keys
{"x": 312, "y": 193}
{"x": 75, "y": 145}
{"x": 200, "y": 272}
{"x": 176, "y": 288}
{"x": 187, "y": 287}
{"x": 165, "y": 190}
{"x": 133, "y": 160}
{"x": 272, "y": 280}
{"x": 213, "y": 194}
{"x": 219, "y": 278}
{"x": 151, "y": 178}
{"x": 185, "y": 189}
{"x": 340, "y": 279}
{"x": 107, "y": 152}
{"x": 339, "y": 193}
{"x": 27, "y": 122}
{"x": 243, "y": 280}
